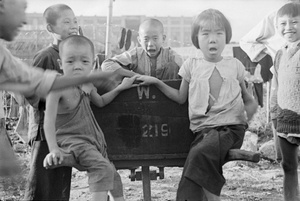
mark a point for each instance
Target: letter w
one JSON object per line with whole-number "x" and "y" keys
{"x": 143, "y": 90}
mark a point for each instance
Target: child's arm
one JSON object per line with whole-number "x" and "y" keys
{"x": 55, "y": 156}
{"x": 273, "y": 96}
{"x": 106, "y": 98}
{"x": 176, "y": 95}
{"x": 99, "y": 78}
{"x": 249, "y": 102}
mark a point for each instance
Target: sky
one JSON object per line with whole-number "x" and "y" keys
{"x": 243, "y": 14}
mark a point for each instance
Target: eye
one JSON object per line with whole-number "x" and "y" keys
{"x": 85, "y": 61}
{"x": 282, "y": 23}
{"x": 294, "y": 22}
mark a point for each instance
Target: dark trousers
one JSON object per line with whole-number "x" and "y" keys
{"x": 203, "y": 166}
{"x": 46, "y": 184}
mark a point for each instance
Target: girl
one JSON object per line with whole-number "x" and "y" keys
{"x": 218, "y": 100}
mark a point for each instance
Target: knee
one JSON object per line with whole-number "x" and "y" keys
{"x": 196, "y": 152}
{"x": 289, "y": 167}
{"x": 109, "y": 170}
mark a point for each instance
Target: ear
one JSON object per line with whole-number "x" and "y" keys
{"x": 164, "y": 38}
{"x": 59, "y": 63}
{"x": 49, "y": 28}
{"x": 139, "y": 39}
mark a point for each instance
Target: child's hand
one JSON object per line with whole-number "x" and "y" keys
{"x": 146, "y": 80}
{"x": 128, "y": 83}
{"x": 250, "y": 110}
{"x": 55, "y": 157}
{"x": 87, "y": 87}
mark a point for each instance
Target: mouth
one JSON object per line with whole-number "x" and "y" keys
{"x": 151, "y": 51}
{"x": 289, "y": 33}
{"x": 73, "y": 33}
{"x": 213, "y": 50}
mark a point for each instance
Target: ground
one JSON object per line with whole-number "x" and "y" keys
{"x": 245, "y": 181}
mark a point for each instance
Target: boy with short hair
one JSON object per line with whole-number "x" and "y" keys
{"x": 285, "y": 108}
{"x": 149, "y": 59}
{"x": 52, "y": 184}
{"x": 16, "y": 76}
{"x": 71, "y": 128}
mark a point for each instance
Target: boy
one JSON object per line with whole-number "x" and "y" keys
{"x": 52, "y": 184}
{"x": 150, "y": 59}
{"x": 285, "y": 109}
{"x": 70, "y": 126}
{"x": 15, "y": 75}
{"x": 261, "y": 40}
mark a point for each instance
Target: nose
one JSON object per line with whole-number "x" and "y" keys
{"x": 289, "y": 25}
{"x": 212, "y": 38}
{"x": 77, "y": 66}
{"x": 74, "y": 25}
{"x": 150, "y": 43}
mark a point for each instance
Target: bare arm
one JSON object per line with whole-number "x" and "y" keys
{"x": 179, "y": 96}
{"x": 106, "y": 98}
{"x": 55, "y": 156}
{"x": 249, "y": 102}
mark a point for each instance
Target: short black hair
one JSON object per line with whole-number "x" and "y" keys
{"x": 52, "y": 13}
{"x": 78, "y": 40}
{"x": 213, "y": 17}
{"x": 289, "y": 9}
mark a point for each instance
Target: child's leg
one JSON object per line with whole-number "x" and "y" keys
{"x": 99, "y": 196}
{"x": 99, "y": 169}
{"x": 276, "y": 142}
{"x": 289, "y": 165}
{"x": 117, "y": 192}
{"x": 203, "y": 167}
{"x": 210, "y": 196}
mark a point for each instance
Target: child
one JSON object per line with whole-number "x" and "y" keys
{"x": 70, "y": 126}
{"x": 17, "y": 76}
{"x": 217, "y": 103}
{"x": 150, "y": 59}
{"x": 285, "y": 96}
{"x": 52, "y": 184}
{"x": 261, "y": 40}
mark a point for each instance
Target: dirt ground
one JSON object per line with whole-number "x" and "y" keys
{"x": 262, "y": 181}
{"x": 245, "y": 181}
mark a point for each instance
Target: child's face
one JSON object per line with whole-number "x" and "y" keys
{"x": 66, "y": 25}
{"x": 12, "y": 18}
{"x": 289, "y": 27}
{"x": 77, "y": 59}
{"x": 212, "y": 41}
{"x": 151, "y": 39}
